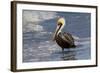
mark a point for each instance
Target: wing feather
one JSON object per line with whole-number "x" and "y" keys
{"x": 69, "y": 37}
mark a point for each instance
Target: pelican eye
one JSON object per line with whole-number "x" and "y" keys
{"x": 60, "y": 24}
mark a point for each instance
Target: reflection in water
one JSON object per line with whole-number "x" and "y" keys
{"x": 69, "y": 55}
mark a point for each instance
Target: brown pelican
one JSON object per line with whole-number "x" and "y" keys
{"x": 64, "y": 40}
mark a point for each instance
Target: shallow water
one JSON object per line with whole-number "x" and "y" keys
{"x": 36, "y": 50}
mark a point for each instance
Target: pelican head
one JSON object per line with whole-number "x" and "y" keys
{"x": 60, "y": 25}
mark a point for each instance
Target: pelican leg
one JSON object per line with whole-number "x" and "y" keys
{"x": 63, "y": 53}
{"x": 63, "y": 50}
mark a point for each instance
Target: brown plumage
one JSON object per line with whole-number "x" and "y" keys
{"x": 65, "y": 40}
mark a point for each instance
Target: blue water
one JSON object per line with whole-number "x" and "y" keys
{"x": 38, "y": 45}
